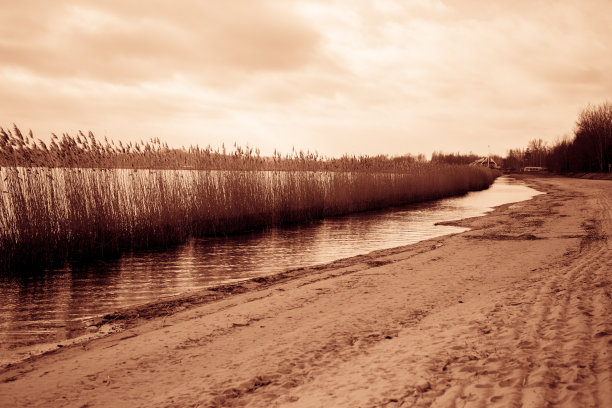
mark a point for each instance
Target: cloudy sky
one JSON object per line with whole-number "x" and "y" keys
{"x": 336, "y": 76}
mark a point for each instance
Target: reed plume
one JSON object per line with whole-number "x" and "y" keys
{"x": 79, "y": 199}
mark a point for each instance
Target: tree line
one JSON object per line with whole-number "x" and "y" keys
{"x": 589, "y": 150}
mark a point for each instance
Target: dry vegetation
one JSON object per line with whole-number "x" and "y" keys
{"x": 85, "y": 151}
{"x": 589, "y": 150}
{"x": 79, "y": 199}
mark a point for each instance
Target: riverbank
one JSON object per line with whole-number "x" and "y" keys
{"x": 591, "y": 176}
{"x": 517, "y": 310}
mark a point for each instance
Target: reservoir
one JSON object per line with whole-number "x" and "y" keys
{"x": 46, "y": 307}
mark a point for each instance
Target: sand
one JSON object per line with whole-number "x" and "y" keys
{"x": 515, "y": 312}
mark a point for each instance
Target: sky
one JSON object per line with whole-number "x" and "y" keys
{"x": 332, "y": 76}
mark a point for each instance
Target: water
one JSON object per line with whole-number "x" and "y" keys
{"x": 47, "y": 308}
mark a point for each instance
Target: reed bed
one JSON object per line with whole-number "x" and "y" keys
{"x": 49, "y": 216}
{"x": 59, "y": 204}
{"x": 85, "y": 151}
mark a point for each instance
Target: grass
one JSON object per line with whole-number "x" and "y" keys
{"x": 52, "y": 215}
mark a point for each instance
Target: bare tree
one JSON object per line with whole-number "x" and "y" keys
{"x": 537, "y": 152}
{"x": 590, "y": 149}
{"x": 594, "y": 136}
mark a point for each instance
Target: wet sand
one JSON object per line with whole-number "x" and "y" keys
{"x": 515, "y": 312}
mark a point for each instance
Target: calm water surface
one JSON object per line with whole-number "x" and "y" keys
{"x": 46, "y": 307}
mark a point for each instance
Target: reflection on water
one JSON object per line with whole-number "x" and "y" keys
{"x": 45, "y": 308}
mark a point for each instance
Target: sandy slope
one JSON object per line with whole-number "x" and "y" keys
{"x": 516, "y": 312}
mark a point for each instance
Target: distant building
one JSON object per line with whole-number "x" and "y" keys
{"x": 485, "y": 162}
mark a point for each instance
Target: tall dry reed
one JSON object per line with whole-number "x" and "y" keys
{"x": 49, "y": 216}
{"x": 85, "y": 151}
{"x": 76, "y": 198}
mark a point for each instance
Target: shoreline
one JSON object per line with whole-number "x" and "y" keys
{"x": 126, "y": 317}
{"x": 424, "y": 318}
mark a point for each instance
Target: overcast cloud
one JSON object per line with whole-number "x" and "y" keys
{"x": 365, "y": 77}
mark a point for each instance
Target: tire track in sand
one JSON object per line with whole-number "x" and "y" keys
{"x": 560, "y": 352}
{"x": 549, "y": 344}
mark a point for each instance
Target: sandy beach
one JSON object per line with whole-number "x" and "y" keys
{"x": 515, "y": 312}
